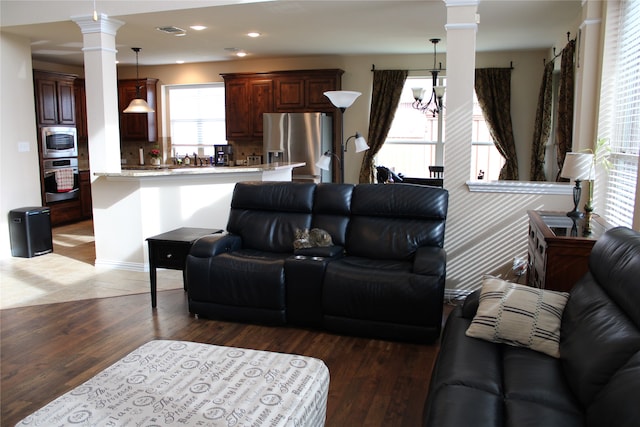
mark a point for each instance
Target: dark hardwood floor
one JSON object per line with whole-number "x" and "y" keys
{"x": 47, "y": 350}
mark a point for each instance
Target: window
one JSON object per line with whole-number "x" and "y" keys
{"x": 486, "y": 160}
{"x": 620, "y": 110}
{"x": 412, "y": 144}
{"x": 196, "y": 118}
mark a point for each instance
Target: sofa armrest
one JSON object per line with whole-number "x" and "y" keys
{"x": 470, "y": 304}
{"x": 214, "y": 244}
{"x": 430, "y": 261}
{"x": 321, "y": 251}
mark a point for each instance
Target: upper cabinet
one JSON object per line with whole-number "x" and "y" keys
{"x": 249, "y": 95}
{"x": 55, "y": 98}
{"x": 138, "y": 126}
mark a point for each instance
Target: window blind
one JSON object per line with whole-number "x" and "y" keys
{"x": 619, "y": 121}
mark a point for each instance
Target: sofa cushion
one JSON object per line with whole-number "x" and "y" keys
{"x": 381, "y": 291}
{"x": 267, "y": 214}
{"x": 519, "y": 315}
{"x": 391, "y": 221}
{"x": 332, "y": 210}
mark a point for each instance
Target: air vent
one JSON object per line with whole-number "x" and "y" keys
{"x": 171, "y": 30}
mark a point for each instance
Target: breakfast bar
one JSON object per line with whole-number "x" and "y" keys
{"x": 134, "y": 204}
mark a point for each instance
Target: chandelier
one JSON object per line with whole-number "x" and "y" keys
{"x": 434, "y": 105}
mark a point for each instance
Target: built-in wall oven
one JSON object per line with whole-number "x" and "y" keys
{"x": 58, "y": 141}
{"x": 61, "y": 179}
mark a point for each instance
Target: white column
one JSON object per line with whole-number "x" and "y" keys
{"x": 461, "y": 59}
{"x": 103, "y": 126}
{"x": 461, "y": 228}
{"x": 588, "y": 67}
{"x": 102, "y": 91}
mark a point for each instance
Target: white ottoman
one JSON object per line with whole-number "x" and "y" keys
{"x": 182, "y": 383}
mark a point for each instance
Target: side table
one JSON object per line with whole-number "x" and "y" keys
{"x": 559, "y": 248}
{"x": 170, "y": 250}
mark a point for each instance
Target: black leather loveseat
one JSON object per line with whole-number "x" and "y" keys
{"x": 596, "y": 379}
{"x": 383, "y": 276}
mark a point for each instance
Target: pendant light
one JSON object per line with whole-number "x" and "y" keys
{"x": 138, "y": 105}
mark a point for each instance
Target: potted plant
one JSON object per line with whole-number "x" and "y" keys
{"x": 154, "y": 153}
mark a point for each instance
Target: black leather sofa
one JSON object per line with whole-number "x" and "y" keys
{"x": 383, "y": 277}
{"x": 596, "y": 380}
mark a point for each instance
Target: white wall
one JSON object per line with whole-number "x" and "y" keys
{"x": 19, "y": 168}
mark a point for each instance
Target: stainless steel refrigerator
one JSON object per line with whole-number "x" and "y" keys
{"x": 298, "y": 137}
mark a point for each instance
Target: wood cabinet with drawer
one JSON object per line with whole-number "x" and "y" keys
{"x": 559, "y": 248}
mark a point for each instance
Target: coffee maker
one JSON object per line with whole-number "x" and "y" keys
{"x": 224, "y": 155}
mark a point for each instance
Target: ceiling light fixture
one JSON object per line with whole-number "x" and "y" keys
{"x": 254, "y": 34}
{"x": 434, "y": 105}
{"x": 138, "y": 105}
{"x": 198, "y": 27}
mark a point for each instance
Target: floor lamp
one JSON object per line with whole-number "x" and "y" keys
{"x": 342, "y": 99}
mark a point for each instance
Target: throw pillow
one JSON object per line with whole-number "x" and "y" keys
{"x": 519, "y": 315}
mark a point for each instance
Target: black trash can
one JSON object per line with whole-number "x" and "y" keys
{"x": 30, "y": 231}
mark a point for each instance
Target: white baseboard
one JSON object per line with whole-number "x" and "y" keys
{"x": 119, "y": 265}
{"x": 452, "y": 295}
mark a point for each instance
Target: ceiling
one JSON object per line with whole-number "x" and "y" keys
{"x": 288, "y": 27}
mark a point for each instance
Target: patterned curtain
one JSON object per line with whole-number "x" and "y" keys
{"x": 542, "y": 125}
{"x": 387, "y": 88}
{"x": 493, "y": 89}
{"x": 564, "y": 134}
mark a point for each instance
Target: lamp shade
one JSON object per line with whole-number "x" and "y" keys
{"x": 138, "y": 105}
{"x": 342, "y": 98}
{"x": 578, "y": 166}
{"x": 324, "y": 161}
{"x": 439, "y": 91}
{"x": 361, "y": 143}
{"x": 418, "y": 93}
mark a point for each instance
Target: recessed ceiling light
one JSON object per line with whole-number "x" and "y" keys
{"x": 179, "y": 61}
{"x": 254, "y": 34}
{"x": 198, "y": 27}
{"x": 241, "y": 54}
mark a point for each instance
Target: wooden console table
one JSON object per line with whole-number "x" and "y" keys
{"x": 559, "y": 248}
{"x": 170, "y": 250}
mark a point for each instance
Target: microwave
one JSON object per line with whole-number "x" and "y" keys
{"x": 59, "y": 141}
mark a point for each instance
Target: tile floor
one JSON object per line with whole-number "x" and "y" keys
{"x": 68, "y": 274}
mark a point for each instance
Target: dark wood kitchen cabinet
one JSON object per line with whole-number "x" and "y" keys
{"x": 138, "y": 126}
{"x": 245, "y": 101}
{"x": 249, "y": 95}
{"x": 85, "y": 194}
{"x": 305, "y": 92}
{"x": 55, "y": 98}
{"x": 80, "y": 95}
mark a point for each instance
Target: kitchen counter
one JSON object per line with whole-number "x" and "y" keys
{"x": 174, "y": 170}
{"x": 137, "y": 203}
